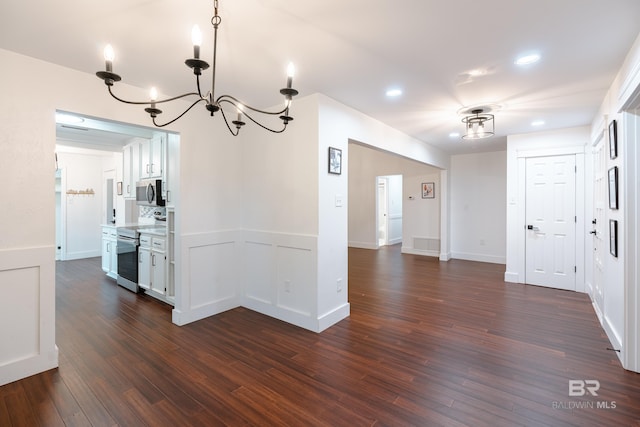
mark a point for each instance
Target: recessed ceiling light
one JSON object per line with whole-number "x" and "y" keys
{"x": 394, "y": 92}
{"x": 454, "y": 135}
{"x": 537, "y": 123}
{"x": 528, "y": 59}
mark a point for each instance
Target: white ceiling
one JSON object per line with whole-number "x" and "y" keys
{"x": 353, "y": 51}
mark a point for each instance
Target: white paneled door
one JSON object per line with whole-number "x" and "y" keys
{"x": 550, "y": 228}
{"x": 600, "y": 199}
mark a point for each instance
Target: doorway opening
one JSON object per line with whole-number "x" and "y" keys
{"x": 389, "y": 209}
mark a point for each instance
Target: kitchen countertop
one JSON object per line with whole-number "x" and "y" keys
{"x": 156, "y": 231}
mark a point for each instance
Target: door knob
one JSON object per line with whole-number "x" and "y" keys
{"x": 531, "y": 227}
{"x": 593, "y": 232}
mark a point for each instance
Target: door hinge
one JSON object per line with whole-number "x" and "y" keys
{"x": 575, "y": 269}
{"x": 575, "y": 218}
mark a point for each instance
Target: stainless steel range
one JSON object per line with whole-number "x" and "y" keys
{"x": 128, "y": 242}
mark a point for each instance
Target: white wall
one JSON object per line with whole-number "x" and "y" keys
{"x": 621, "y": 290}
{"x": 478, "y": 206}
{"x": 421, "y": 233}
{"x": 420, "y": 217}
{"x": 83, "y": 214}
{"x": 280, "y": 218}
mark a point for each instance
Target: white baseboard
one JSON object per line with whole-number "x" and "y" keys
{"x": 81, "y": 255}
{"x": 479, "y": 257}
{"x": 511, "y": 277}
{"x": 363, "y": 245}
{"x": 422, "y": 252}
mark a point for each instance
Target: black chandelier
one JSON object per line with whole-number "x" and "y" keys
{"x": 212, "y": 104}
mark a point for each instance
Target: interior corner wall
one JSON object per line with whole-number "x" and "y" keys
{"x": 478, "y": 206}
{"x": 280, "y": 188}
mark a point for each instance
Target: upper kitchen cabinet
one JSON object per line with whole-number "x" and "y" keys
{"x": 152, "y": 153}
{"x": 172, "y": 170}
{"x": 131, "y": 168}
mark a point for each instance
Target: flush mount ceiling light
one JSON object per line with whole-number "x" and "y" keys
{"x": 479, "y": 124}
{"x": 212, "y": 103}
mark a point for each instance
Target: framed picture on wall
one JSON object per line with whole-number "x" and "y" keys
{"x": 335, "y": 161}
{"x": 613, "y": 188}
{"x": 613, "y": 237}
{"x": 428, "y": 190}
{"x": 613, "y": 139}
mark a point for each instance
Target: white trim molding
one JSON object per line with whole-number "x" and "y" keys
{"x": 27, "y": 318}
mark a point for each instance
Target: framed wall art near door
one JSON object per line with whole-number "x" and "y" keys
{"x": 428, "y": 190}
{"x": 613, "y": 188}
{"x": 335, "y": 160}
{"x": 613, "y": 140}
{"x": 613, "y": 237}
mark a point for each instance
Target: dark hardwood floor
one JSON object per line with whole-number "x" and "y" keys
{"x": 427, "y": 344}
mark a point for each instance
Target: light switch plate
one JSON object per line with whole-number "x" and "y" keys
{"x": 339, "y": 201}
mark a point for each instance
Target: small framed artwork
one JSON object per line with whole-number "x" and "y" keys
{"x": 613, "y": 237}
{"x": 335, "y": 160}
{"x": 613, "y": 188}
{"x": 428, "y": 190}
{"x": 119, "y": 188}
{"x": 613, "y": 140}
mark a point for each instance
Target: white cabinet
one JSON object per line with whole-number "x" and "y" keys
{"x": 144, "y": 262}
{"x": 130, "y": 169}
{"x": 152, "y": 265}
{"x": 171, "y": 251}
{"x": 110, "y": 251}
{"x": 158, "y": 265}
{"x": 172, "y": 171}
{"x": 152, "y": 157}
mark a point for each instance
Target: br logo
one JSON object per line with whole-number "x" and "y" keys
{"x": 582, "y": 387}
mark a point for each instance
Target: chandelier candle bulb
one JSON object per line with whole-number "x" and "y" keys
{"x": 291, "y": 69}
{"x": 109, "y": 55}
{"x": 153, "y": 94}
{"x": 196, "y": 39}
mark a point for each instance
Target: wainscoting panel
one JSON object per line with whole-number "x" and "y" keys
{"x": 260, "y": 273}
{"x": 27, "y": 317}
{"x": 281, "y": 276}
{"x": 210, "y": 283}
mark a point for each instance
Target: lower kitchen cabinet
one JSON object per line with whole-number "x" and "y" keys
{"x": 152, "y": 265}
{"x": 110, "y": 251}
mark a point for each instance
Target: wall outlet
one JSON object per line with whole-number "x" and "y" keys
{"x": 287, "y": 286}
{"x": 339, "y": 285}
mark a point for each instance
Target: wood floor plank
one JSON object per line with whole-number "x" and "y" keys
{"x": 427, "y": 343}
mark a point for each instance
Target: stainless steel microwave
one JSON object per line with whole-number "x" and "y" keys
{"x": 149, "y": 192}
